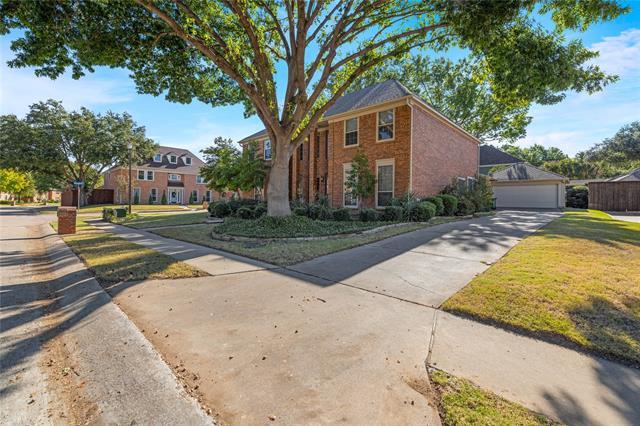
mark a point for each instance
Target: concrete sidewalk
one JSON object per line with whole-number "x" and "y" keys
{"x": 114, "y": 376}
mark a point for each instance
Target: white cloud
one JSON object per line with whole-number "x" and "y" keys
{"x": 20, "y": 88}
{"x": 620, "y": 54}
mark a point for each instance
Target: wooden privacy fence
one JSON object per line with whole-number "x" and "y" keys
{"x": 614, "y": 196}
{"x": 97, "y": 196}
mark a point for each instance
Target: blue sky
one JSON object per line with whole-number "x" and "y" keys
{"x": 572, "y": 125}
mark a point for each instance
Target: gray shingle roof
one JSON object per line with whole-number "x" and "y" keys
{"x": 180, "y": 166}
{"x": 490, "y": 155}
{"x": 525, "y": 171}
{"x": 262, "y": 133}
{"x": 378, "y": 93}
{"x": 632, "y": 176}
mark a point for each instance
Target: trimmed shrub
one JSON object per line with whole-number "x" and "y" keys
{"x": 192, "y": 200}
{"x": 392, "y": 213}
{"x": 577, "y": 197}
{"x": 325, "y": 213}
{"x": 314, "y": 211}
{"x": 450, "y": 203}
{"x": 260, "y": 210}
{"x": 368, "y": 215}
{"x": 245, "y": 213}
{"x": 342, "y": 215}
{"x": 150, "y": 201}
{"x": 425, "y": 211}
{"x": 220, "y": 209}
{"x": 107, "y": 214}
{"x": 164, "y": 197}
{"x": 301, "y": 211}
{"x": 437, "y": 201}
{"x": 466, "y": 206}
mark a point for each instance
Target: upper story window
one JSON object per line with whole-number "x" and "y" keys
{"x": 199, "y": 179}
{"x": 351, "y": 132}
{"x": 173, "y": 176}
{"x": 173, "y": 159}
{"x": 385, "y": 125}
{"x": 187, "y": 161}
{"x": 140, "y": 174}
{"x": 267, "y": 149}
{"x": 157, "y": 158}
{"x": 301, "y": 156}
{"x": 149, "y": 174}
{"x": 145, "y": 175}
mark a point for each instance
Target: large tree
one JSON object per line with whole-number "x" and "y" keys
{"x": 459, "y": 91}
{"x": 61, "y": 146}
{"x": 229, "y": 51}
{"x": 535, "y": 154}
{"x": 622, "y": 148}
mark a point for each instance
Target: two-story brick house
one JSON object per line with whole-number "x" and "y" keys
{"x": 410, "y": 146}
{"x": 172, "y": 172}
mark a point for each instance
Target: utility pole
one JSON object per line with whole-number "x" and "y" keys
{"x": 130, "y": 147}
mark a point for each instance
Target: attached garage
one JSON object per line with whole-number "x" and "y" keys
{"x": 525, "y": 186}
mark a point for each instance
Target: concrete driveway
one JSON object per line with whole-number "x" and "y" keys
{"x": 430, "y": 265}
{"x": 627, "y": 217}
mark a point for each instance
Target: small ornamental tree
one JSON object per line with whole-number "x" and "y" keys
{"x": 164, "y": 197}
{"x": 150, "y": 201}
{"x": 289, "y": 61}
{"x": 361, "y": 181}
{"x": 16, "y": 183}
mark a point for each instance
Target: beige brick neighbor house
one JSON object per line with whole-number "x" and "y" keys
{"x": 172, "y": 172}
{"x": 410, "y": 147}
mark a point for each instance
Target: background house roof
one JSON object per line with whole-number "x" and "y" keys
{"x": 378, "y": 93}
{"x": 525, "y": 171}
{"x": 632, "y": 176}
{"x": 257, "y": 135}
{"x": 490, "y": 155}
{"x": 179, "y": 167}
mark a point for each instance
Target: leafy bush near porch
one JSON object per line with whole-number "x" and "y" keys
{"x": 474, "y": 195}
{"x": 425, "y": 210}
{"x": 577, "y": 197}
{"x": 450, "y": 203}
{"x": 437, "y": 201}
{"x": 289, "y": 227}
{"x": 369, "y": 215}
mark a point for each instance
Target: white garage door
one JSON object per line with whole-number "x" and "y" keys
{"x": 526, "y": 196}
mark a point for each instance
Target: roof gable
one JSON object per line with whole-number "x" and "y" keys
{"x": 490, "y": 156}
{"x": 525, "y": 171}
{"x": 386, "y": 91}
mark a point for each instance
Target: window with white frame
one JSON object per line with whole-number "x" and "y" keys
{"x": 145, "y": 175}
{"x": 173, "y": 159}
{"x": 351, "y": 132}
{"x": 349, "y": 200}
{"x": 384, "y": 182}
{"x": 153, "y": 195}
{"x": 199, "y": 179}
{"x": 149, "y": 174}
{"x": 194, "y": 195}
{"x": 157, "y": 158}
{"x": 187, "y": 161}
{"x": 173, "y": 176}
{"x": 385, "y": 125}
{"x": 267, "y": 149}
{"x": 207, "y": 196}
{"x": 140, "y": 174}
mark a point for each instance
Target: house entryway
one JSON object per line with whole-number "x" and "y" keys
{"x": 175, "y": 195}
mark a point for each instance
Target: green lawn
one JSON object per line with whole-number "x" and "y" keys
{"x": 281, "y": 252}
{"x": 164, "y": 219}
{"x": 135, "y": 207}
{"x": 577, "y": 280}
{"x": 463, "y": 403}
{"x": 114, "y": 259}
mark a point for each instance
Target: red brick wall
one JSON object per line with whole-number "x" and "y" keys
{"x": 440, "y": 152}
{"x": 160, "y": 182}
{"x": 397, "y": 149}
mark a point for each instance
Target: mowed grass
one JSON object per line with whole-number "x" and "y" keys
{"x": 577, "y": 280}
{"x": 281, "y": 252}
{"x": 164, "y": 219}
{"x": 134, "y": 207}
{"x": 463, "y": 403}
{"x": 113, "y": 259}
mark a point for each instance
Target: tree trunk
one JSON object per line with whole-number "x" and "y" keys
{"x": 278, "y": 185}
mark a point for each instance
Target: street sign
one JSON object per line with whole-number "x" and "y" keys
{"x": 78, "y": 184}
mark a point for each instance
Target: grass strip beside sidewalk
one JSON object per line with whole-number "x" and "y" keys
{"x": 575, "y": 281}
{"x": 113, "y": 259}
{"x": 163, "y": 219}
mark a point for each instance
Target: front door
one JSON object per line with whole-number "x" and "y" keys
{"x": 175, "y": 196}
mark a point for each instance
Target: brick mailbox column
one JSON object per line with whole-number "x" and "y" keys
{"x": 66, "y": 220}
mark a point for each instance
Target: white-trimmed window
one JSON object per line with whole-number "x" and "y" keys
{"x": 199, "y": 179}
{"x": 351, "y": 132}
{"x": 187, "y": 161}
{"x": 173, "y": 176}
{"x": 194, "y": 195}
{"x": 157, "y": 158}
{"x": 153, "y": 195}
{"x": 386, "y": 125}
{"x": 140, "y": 174}
{"x": 145, "y": 174}
{"x": 149, "y": 174}
{"x": 173, "y": 159}
{"x": 384, "y": 182}
{"x": 349, "y": 200}
{"x": 267, "y": 149}
{"x": 207, "y": 196}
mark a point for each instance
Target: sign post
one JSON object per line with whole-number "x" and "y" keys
{"x": 78, "y": 184}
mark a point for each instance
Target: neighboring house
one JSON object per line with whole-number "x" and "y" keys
{"x": 410, "y": 146}
{"x": 525, "y": 186}
{"x": 632, "y": 176}
{"x": 494, "y": 158}
{"x": 173, "y": 172}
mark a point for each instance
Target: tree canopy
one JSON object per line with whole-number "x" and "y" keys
{"x": 535, "y": 154}
{"x": 60, "y": 146}
{"x": 16, "y": 183}
{"x": 623, "y": 147}
{"x": 227, "y": 51}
